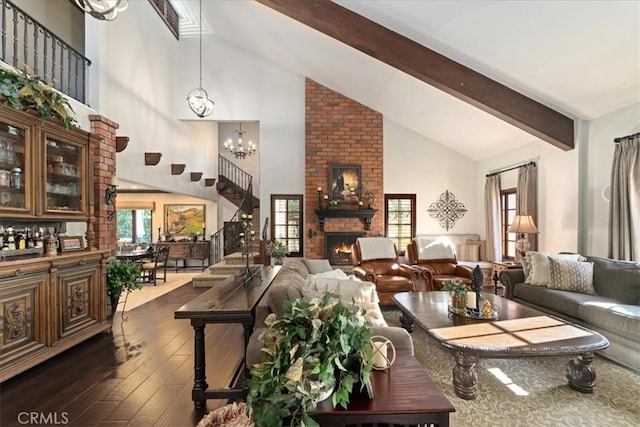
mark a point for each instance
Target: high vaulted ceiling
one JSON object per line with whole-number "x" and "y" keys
{"x": 580, "y": 58}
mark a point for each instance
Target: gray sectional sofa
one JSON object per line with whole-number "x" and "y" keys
{"x": 614, "y": 311}
{"x": 288, "y": 285}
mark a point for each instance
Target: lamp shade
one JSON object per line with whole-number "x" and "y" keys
{"x": 523, "y": 224}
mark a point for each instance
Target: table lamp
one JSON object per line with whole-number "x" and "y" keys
{"x": 523, "y": 225}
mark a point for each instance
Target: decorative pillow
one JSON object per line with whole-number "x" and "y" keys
{"x": 539, "y": 266}
{"x": 483, "y": 248}
{"x": 371, "y": 313}
{"x": 441, "y": 248}
{"x": 574, "y": 276}
{"x": 316, "y": 266}
{"x": 468, "y": 252}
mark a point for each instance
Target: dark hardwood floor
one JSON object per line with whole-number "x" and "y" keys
{"x": 140, "y": 374}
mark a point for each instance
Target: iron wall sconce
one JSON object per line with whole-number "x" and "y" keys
{"x": 110, "y": 199}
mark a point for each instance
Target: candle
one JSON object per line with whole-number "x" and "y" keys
{"x": 360, "y": 203}
{"x": 326, "y": 197}
{"x": 244, "y": 216}
{"x": 471, "y": 299}
{"x": 379, "y": 357}
{"x": 319, "y": 189}
{"x": 249, "y": 216}
{"x": 203, "y": 226}
{"x": 114, "y": 180}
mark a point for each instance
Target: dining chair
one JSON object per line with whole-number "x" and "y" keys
{"x": 150, "y": 269}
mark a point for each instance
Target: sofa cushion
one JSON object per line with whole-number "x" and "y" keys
{"x": 565, "y": 302}
{"x": 621, "y": 319}
{"x": 287, "y": 286}
{"x": 468, "y": 252}
{"x": 482, "y": 247}
{"x": 568, "y": 275}
{"x": 317, "y": 265}
{"x": 538, "y": 266}
{"x": 619, "y": 280}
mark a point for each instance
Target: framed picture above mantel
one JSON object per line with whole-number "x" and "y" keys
{"x": 345, "y": 184}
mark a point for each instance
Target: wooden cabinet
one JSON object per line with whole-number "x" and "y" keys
{"x": 46, "y": 170}
{"x": 49, "y": 304}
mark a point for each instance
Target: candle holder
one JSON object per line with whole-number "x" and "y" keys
{"x": 319, "y": 198}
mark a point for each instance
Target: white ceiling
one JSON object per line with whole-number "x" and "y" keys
{"x": 581, "y": 58}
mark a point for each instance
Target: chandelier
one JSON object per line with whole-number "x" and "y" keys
{"x": 198, "y": 99}
{"x": 104, "y": 10}
{"x": 238, "y": 149}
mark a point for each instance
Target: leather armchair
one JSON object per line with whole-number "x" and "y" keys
{"x": 437, "y": 271}
{"x": 389, "y": 276}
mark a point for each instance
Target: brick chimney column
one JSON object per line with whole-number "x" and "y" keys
{"x": 104, "y": 159}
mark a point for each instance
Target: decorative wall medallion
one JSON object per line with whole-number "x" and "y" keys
{"x": 447, "y": 210}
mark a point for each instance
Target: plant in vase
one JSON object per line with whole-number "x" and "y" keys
{"x": 121, "y": 276}
{"x": 316, "y": 347}
{"x": 277, "y": 250}
{"x": 458, "y": 293}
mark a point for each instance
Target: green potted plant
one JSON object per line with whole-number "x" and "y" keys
{"x": 458, "y": 293}
{"x": 315, "y": 348}
{"x": 121, "y": 276}
{"x": 277, "y": 250}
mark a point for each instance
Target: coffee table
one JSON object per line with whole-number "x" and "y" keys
{"x": 520, "y": 332}
{"x": 402, "y": 395}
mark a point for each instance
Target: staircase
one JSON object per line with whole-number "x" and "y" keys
{"x": 235, "y": 185}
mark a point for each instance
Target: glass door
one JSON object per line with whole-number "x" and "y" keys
{"x": 64, "y": 182}
{"x": 15, "y": 169}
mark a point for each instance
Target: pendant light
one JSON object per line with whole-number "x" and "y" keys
{"x": 198, "y": 99}
{"x": 103, "y": 10}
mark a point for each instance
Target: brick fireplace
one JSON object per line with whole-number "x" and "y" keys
{"x": 338, "y": 246}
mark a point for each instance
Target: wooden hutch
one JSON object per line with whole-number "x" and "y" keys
{"x": 49, "y": 300}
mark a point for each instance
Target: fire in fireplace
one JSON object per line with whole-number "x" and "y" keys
{"x": 338, "y": 246}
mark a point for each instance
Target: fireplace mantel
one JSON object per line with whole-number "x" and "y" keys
{"x": 365, "y": 214}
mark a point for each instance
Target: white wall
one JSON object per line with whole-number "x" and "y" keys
{"x": 145, "y": 75}
{"x": 414, "y": 164}
{"x": 596, "y": 171}
{"x": 557, "y": 191}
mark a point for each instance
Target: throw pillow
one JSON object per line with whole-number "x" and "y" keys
{"x": 317, "y": 265}
{"x": 483, "y": 248}
{"x": 539, "y": 266}
{"x": 574, "y": 276}
{"x": 468, "y": 252}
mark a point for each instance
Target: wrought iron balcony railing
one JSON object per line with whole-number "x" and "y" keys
{"x": 27, "y": 43}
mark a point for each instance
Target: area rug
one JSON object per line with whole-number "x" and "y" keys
{"x": 531, "y": 391}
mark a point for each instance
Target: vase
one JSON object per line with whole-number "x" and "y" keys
{"x": 277, "y": 261}
{"x": 458, "y": 301}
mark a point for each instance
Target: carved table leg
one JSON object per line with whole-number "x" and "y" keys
{"x": 200, "y": 377}
{"x": 406, "y": 322}
{"x": 464, "y": 375}
{"x": 581, "y": 375}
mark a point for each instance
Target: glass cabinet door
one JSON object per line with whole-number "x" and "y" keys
{"x": 15, "y": 168}
{"x": 64, "y": 183}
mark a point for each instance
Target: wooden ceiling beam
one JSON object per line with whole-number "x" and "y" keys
{"x": 431, "y": 67}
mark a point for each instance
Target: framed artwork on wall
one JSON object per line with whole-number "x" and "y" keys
{"x": 183, "y": 220}
{"x": 71, "y": 243}
{"x": 345, "y": 185}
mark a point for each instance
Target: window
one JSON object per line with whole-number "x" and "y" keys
{"x": 134, "y": 226}
{"x": 400, "y": 219}
{"x": 286, "y": 225}
{"x": 508, "y": 206}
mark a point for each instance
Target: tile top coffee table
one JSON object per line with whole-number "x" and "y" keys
{"x": 520, "y": 332}
{"x": 402, "y": 395}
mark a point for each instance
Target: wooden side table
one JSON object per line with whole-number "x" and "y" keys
{"x": 498, "y": 266}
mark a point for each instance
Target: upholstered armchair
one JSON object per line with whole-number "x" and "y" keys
{"x": 375, "y": 260}
{"x": 437, "y": 263}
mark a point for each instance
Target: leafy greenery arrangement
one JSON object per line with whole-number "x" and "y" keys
{"x": 455, "y": 286}
{"x": 121, "y": 276}
{"x": 276, "y": 249}
{"x": 24, "y": 91}
{"x": 312, "y": 348}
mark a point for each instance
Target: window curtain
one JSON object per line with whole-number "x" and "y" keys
{"x": 527, "y": 198}
{"x": 624, "y": 208}
{"x": 493, "y": 217}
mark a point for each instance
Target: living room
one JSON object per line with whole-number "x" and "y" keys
{"x": 141, "y": 75}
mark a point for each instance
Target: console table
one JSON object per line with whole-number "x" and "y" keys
{"x": 232, "y": 301}
{"x": 183, "y": 251}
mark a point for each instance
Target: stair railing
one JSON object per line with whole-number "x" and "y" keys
{"x": 239, "y": 177}
{"x": 232, "y": 227}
